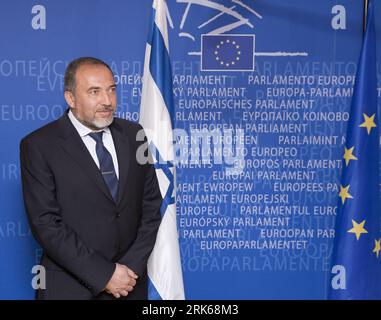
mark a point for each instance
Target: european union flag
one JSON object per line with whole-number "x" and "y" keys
{"x": 357, "y": 248}
{"x": 227, "y": 52}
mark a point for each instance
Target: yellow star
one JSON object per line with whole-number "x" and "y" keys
{"x": 358, "y": 228}
{"x": 377, "y": 247}
{"x": 344, "y": 194}
{"x": 368, "y": 123}
{"x": 348, "y": 155}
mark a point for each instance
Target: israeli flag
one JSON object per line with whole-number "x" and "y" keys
{"x": 156, "y": 110}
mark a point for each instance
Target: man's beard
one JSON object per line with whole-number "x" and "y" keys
{"x": 97, "y": 124}
{"x": 102, "y": 123}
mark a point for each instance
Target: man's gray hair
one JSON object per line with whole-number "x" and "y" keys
{"x": 71, "y": 70}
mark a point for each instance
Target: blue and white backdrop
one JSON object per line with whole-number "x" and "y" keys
{"x": 268, "y": 82}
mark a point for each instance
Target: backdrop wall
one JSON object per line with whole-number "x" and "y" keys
{"x": 256, "y": 207}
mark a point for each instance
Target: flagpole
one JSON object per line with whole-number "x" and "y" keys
{"x": 366, "y": 4}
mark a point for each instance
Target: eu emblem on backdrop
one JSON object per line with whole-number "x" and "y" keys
{"x": 227, "y": 52}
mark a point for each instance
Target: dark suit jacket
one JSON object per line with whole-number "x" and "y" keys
{"x": 73, "y": 216}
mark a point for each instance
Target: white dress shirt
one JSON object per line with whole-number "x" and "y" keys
{"x": 90, "y": 143}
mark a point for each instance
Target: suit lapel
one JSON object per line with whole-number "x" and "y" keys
{"x": 122, "y": 147}
{"x": 73, "y": 145}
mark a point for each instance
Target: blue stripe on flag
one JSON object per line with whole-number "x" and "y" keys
{"x": 152, "y": 292}
{"x": 152, "y": 20}
{"x": 160, "y": 69}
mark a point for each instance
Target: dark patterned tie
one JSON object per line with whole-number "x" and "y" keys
{"x": 106, "y": 165}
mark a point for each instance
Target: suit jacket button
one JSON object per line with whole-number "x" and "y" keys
{"x": 118, "y": 214}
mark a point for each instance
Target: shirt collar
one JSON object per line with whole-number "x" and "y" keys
{"x": 81, "y": 128}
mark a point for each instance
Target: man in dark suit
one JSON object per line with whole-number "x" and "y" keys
{"x": 93, "y": 204}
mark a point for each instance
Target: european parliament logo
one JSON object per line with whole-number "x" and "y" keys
{"x": 227, "y": 52}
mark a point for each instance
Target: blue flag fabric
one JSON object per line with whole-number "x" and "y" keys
{"x": 227, "y": 52}
{"x": 357, "y": 248}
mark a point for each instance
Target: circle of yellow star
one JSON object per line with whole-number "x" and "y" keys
{"x": 348, "y": 155}
{"x": 368, "y": 122}
{"x": 344, "y": 194}
{"x": 222, "y": 45}
{"x": 377, "y": 247}
{"x": 358, "y": 228}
